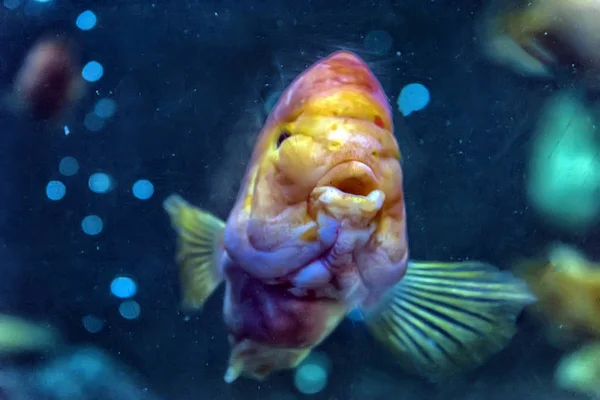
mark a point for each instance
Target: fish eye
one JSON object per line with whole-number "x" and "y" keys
{"x": 282, "y": 137}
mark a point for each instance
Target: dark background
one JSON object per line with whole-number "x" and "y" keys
{"x": 190, "y": 87}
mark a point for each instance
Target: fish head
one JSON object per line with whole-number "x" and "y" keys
{"x": 332, "y": 143}
{"x": 326, "y": 159}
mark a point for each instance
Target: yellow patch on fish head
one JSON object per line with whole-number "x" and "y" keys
{"x": 331, "y": 132}
{"x": 326, "y": 160}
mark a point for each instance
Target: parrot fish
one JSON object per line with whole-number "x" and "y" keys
{"x": 319, "y": 230}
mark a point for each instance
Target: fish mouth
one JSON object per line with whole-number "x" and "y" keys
{"x": 349, "y": 191}
{"x": 353, "y": 178}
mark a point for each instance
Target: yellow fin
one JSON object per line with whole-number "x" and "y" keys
{"x": 198, "y": 239}
{"x": 443, "y": 318}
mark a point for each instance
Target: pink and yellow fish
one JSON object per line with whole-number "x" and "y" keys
{"x": 319, "y": 229}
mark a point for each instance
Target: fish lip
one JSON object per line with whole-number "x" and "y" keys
{"x": 347, "y": 170}
{"x": 350, "y": 210}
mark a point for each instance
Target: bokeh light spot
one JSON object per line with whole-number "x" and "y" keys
{"x": 68, "y": 166}
{"x": 99, "y": 183}
{"x": 379, "y": 42}
{"x": 93, "y": 122}
{"x": 143, "y": 189}
{"x": 92, "y": 71}
{"x": 413, "y": 97}
{"x": 92, "y": 225}
{"x": 123, "y": 287}
{"x": 129, "y": 309}
{"x": 86, "y": 20}
{"x": 105, "y": 108}
{"x": 12, "y": 4}
{"x": 92, "y": 323}
{"x": 310, "y": 378}
{"x": 55, "y": 190}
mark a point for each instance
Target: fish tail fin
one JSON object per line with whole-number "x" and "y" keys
{"x": 258, "y": 360}
{"x": 443, "y": 318}
{"x": 198, "y": 239}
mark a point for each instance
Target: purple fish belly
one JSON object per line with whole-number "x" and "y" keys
{"x": 269, "y": 328}
{"x": 271, "y": 314}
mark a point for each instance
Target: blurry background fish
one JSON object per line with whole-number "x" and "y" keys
{"x": 543, "y": 38}
{"x": 579, "y": 371}
{"x": 563, "y": 177}
{"x": 559, "y": 42}
{"x": 48, "y": 81}
{"x": 18, "y": 335}
{"x": 567, "y": 285}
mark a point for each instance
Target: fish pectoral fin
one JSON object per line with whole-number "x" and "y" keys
{"x": 198, "y": 237}
{"x": 442, "y": 318}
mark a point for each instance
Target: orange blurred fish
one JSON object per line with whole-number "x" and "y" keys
{"x": 541, "y": 36}
{"x": 568, "y": 288}
{"x": 319, "y": 228}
